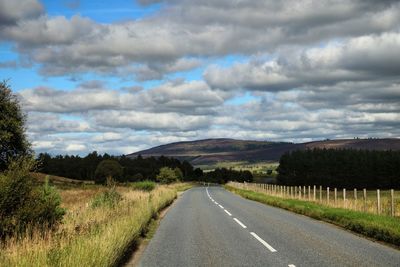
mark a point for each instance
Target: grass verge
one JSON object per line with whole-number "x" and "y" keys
{"x": 383, "y": 228}
{"x": 91, "y": 236}
{"x": 144, "y": 185}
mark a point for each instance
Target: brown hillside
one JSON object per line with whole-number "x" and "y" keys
{"x": 211, "y": 151}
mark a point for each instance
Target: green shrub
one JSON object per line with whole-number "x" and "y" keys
{"x": 109, "y": 198}
{"x": 166, "y": 175}
{"x": 23, "y": 206}
{"x": 144, "y": 185}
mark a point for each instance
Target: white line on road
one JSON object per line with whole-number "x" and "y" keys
{"x": 227, "y": 212}
{"x": 268, "y": 246}
{"x": 240, "y": 223}
{"x": 291, "y": 265}
{"x": 216, "y": 202}
{"x": 220, "y": 206}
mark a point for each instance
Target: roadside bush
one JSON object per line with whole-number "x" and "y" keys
{"x": 144, "y": 185}
{"x": 109, "y": 198}
{"x": 23, "y": 206}
{"x": 166, "y": 175}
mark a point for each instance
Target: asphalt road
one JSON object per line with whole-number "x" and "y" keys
{"x": 213, "y": 227}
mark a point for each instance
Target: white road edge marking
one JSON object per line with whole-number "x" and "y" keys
{"x": 220, "y": 206}
{"x": 227, "y": 212}
{"x": 240, "y": 223}
{"x": 268, "y": 246}
{"x": 216, "y": 202}
{"x": 291, "y": 265}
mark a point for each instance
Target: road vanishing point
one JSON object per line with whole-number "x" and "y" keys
{"x": 209, "y": 226}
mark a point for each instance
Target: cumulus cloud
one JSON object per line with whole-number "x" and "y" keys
{"x": 43, "y": 99}
{"x": 358, "y": 59}
{"x": 308, "y": 70}
{"x": 161, "y": 44}
{"x": 194, "y": 97}
{"x": 13, "y": 11}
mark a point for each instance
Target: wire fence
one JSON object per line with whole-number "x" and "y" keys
{"x": 382, "y": 202}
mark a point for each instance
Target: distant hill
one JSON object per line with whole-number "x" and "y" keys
{"x": 211, "y": 151}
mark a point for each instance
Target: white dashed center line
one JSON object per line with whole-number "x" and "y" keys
{"x": 240, "y": 223}
{"x": 268, "y": 246}
{"x": 291, "y": 265}
{"x": 262, "y": 241}
{"x": 227, "y": 212}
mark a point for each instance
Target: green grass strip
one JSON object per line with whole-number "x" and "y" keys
{"x": 379, "y": 227}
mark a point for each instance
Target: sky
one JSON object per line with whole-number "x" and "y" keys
{"x": 121, "y": 76}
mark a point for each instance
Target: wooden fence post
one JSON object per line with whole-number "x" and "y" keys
{"x": 327, "y": 195}
{"x": 355, "y": 198}
{"x": 335, "y": 196}
{"x": 344, "y": 197}
{"x": 314, "y": 193}
{"x": 299, "y": 192}
{"x": 365, "y": 199}
{"x": 309, "y": 193}
{"x": 320, "y": 193}
{"x": 392, "y": 211}
{"x": 304, "y": 191}
{"x": 378, "y": 201}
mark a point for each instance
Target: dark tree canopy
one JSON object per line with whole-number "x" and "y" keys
{"x": 108, "y": 169}
{"x": 134, "y": 169}
{"x": 341, "y": 168}
{"x": 223, "y": 175}
{"x": 13, "y": 141}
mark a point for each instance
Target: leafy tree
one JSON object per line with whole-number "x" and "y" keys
{"x": 108, "y": 169}
{"x": 167, "y": 175}
{"x": 13, "y": 141}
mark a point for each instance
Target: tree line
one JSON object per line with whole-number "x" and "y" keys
{"x": 133, "y": 169}
{"x": 223, "y": 175}
{"x": 341, "y": 168}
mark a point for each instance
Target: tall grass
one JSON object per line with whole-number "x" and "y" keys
{"x": 90, "y": 236}
{"x": 353, "y": 200}
{"x": 380, "y": 227}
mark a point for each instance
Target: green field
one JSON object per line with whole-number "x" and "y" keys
{"x": 258, "y": 167}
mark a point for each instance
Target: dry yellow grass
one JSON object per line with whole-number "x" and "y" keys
{"x": 90, "y": 236}
{"x": 354, "y": 200}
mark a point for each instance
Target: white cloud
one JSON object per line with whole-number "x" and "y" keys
{"x": 75, "y": 148}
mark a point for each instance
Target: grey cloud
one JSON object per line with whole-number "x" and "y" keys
{"x": 193, "y": 29}
{"x": 92, "y": 84}
{"x": 365, "y": 58}
{"x": 150, "y": 121}
{"x": 46, "y": 32}
{"x": 12, "y": 11}
{"x": 192, "y": 98}
{"x": 41, "y": 123}
{"x": 158, "y": 70}
{"x": 49, "y": 100}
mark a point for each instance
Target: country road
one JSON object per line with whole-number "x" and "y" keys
{"x": 213, "y": 227}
